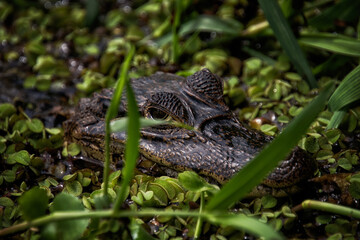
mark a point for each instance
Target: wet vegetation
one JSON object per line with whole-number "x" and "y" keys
{"x": 291, "y": 70}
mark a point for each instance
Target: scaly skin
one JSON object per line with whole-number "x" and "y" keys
{"x": 218, "y": 147}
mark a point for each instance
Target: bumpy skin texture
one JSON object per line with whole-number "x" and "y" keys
{"x": 219, "y": 146}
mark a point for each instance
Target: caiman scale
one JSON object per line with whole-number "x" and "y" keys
{"x": 218, "y": 146}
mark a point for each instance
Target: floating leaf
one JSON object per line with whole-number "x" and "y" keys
{"x": 191, "y": 181}
{"x": 74, "y": 188}
{"x": 6, "y": 202}
{"x": 6, "y": 109}
{"x": 268, "y": 201}
{"x": 21, "y": 157}
{"x": 33, "y": 203}
{"x": 8, "y": 175}
{"x": 67, "y": 229}
{"x": 73, "y": 149}
{"x": 35, "y": 125}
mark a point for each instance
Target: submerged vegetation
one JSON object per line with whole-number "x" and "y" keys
{"x": 291, "y": 70}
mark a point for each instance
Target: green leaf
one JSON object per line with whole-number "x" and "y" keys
{"x": 67, "y": 229}
{"x": 206, "y": 23}
{"x": 73, "y": 149}
{"x": 192, "y": 181}
{"x": 21, "y": 157}
{"x": 121, "y": 124}
{"x": 132, "y": 144}
{"x": 35, "y": 125}
{"x": 210, "y": 23}
{"x": 74, "y": 188}
{"x": 53, "y": 131}
{"x": 33, "y": 203}
{"x": 345, "y": 163}
{"x": 286, "y": 38}
{"x": 347, "y": 92}
{"x": 336, "y": 119}
{"x": 247, "y": 224}
{"x": 6, "y": 202}
{"x": 332, "y": 135}
{"x": 333, "y": 43}
{"x": 8, "y": 175}
{"x": 267, "y": 159}
{"x": 6, "y": 110}
{"x": 268, "y": 201}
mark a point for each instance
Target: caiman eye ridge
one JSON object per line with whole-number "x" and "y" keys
{"x": 206, "y": 83}
{"x": 165, "y": 105}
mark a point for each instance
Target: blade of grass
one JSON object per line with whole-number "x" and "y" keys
{"x": 131, "y": 147}
{"x": 247, "y": 224}
{"x": 252, "y": 174}
{"x": 112, "y": 112}
{"x": 205, "y": 23}
{"x": 175, "y": 36}
{"x": 336, "y": 119}
{"x": 333, "y": 43}
{"x": 121, "y": 124}
{"x": 286, "y": 38}
{"x": 347, "y": 92}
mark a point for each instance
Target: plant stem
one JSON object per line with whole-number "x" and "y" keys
{"x": 200, "y": 219}
{"x": 71, "y": 215}
{"x": 329, "y": 207}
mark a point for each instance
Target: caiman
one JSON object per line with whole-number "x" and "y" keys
{"x": 217, "y": 146}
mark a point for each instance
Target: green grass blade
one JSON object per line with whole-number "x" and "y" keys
{"x": 121, "y": 124}
{"x": 174, "y": 31}
{"x": 336, "y": 119}
{"x": 347, "y": 92}
{"x": 286, "y": 38}
{"x": 252, "y": 174}
{"x": 131, "y": 147}
{"x": 333, "y": 43}
{"x": 247, "y": 224}
{"x": 205, "y": 23}
{"x": 112, "y": 112}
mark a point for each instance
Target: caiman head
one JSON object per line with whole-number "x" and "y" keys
{"x": 218, "y": 146}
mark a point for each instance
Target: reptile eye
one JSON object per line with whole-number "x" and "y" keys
{"x": 156, "y": 113}
{"x": 166, "y": 106}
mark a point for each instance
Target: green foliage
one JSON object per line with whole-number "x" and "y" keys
{"x": 33, "y": 203}
{"x": 286, "y": 38}
{"x": 66, "y": 229}
{"x": 56, "y": 53}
